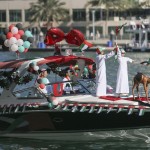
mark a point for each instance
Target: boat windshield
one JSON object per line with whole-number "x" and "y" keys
{"x": 81, "y": 86}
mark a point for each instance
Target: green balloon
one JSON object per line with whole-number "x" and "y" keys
{"x": 21, "y": 49}
{"x": 44, "y": 80}
{"x": 26, "y": 44}
{"x": 28, "y": 33}
{"x": 50, "y": 105}
{"x": 85, "y": 70}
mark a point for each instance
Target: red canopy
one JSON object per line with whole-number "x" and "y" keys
{"x": 58, "y": 60}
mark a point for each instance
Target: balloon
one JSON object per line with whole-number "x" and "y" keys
{"x": 17, "y": 36}
{"x": 14, "y": 47}
{"x": 19, "y": 42}
{"x": 21, "y": 49}
{"x": 36, "y": 68}
{"x": 21, "y": 32}
{"x": 26, "y": 50}
{"x": 90, "y": 67}
{"x": 9, "y": 35}
{"x": 55, "y": 102}
{"x": 44, "y": 80}
{"x": 75, "y": 37}
{"x": 39, "y": 81}
{"x": 32, "y": 64}
{"x": 19, "y": 26}
{"x": 30, "y": 39}
{"x": 12, "y": 40}
{"x": 53, "y": 36}
{"x": 28, "y": 33}
{"x": 6, "y": 30}
{"x": 26, "y": 44}
{"x": 42, "y": 86}
{"x": 24, "y": 37}
{"x": 11, "y": 26}
{"x": 6, "y": 43}
{"x": 14, "y": 30}
{"x": 2, "y": 37}
{"x": 86, "y": 70}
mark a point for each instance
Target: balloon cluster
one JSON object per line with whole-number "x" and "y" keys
{"x": 74, "y": 37}
{"x": 42, "y": 82}
{"x": 16, "y": 39}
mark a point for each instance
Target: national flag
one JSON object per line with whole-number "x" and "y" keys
{"x": 85, "y": 45}
{"x": 119, "y": 28}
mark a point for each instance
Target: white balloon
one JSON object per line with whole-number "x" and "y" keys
{"x": 6, "y": 43}
{"x": 36, "y": 68}
{"x": 12, "y": 40}
{"x": 14, "y": 30}
{"x": 55, "y": 102}
{"x": 14, "y": 47}
{"x": 20, "y": 42}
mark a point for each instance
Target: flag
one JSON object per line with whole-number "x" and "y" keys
{"x": 119, "y": 28}
{"x": 85, "y": 45}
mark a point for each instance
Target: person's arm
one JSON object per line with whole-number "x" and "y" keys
{"x": 130, "y": 60}
{"x": 106, "y": 56}
{"x": 119, "y": 53}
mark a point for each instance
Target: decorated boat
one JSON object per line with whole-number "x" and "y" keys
{"x": 71, "y": 108}
{"x": 27, "y": 112}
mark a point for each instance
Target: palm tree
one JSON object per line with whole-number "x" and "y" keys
{"x": 48, "y": 11}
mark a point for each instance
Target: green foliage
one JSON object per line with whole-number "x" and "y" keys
{"x": 114, "y": 4}
{"x": 48, "y": 10}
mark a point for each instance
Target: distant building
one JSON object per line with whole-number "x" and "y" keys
{"x": 14, "y": 11}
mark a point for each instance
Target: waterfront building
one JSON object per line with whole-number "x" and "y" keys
{"x": 90, "y": 20}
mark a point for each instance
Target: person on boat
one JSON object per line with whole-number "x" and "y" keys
{"x": 48, "y": 88}
{"x": 122, "y": 85}
{"x": 67, "y": 87}
{"x": 101, "y": 83}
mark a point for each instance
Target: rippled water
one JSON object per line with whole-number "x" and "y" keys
{"x": 136, "y": 139}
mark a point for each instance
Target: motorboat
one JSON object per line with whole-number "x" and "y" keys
{"x": 26, "y": 112}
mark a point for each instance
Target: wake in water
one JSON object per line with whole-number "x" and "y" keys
{"x": 133, "y": 134}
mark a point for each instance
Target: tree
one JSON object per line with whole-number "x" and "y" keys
{"x": 120, "y": 5}
{"x": 48, "y": 11}
{"x": 145, "y": 3}
{"x": 116, "y": 5}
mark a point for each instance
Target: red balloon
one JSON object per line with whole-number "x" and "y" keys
{"x": 21, "y": 32}
{"x": 75, "y": 37}
{"x": 42, "y": 86}
{"x": 17, "y": 36}
{"x": 10, "y": 27}
{"x": 90, "y": 67}
{"x": 53, "y": 36}
{"x": 26, "y": 50}
{"x": 9, "y": 35}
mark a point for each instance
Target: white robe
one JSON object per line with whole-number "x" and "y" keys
{"x": 101, "y": 73}
{"x": 122, "y": 75}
